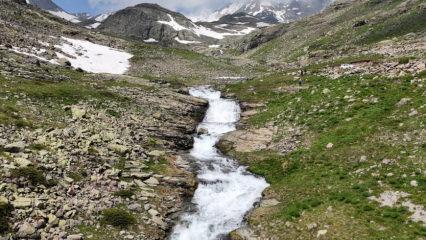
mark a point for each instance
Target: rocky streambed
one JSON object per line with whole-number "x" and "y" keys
{"x": 226, "y": 190}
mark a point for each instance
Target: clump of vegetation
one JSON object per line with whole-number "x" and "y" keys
{"x": 32, "y": 174}
{"x": 113, "y": 113}
{"x": 118, "y": 218}
{"x": 295, "y": 210}
{"x": 125, "y": 193}
{"x": 38, "y": 147}
{"x": 5, "y": 210}
{"x": 404, "y": 60}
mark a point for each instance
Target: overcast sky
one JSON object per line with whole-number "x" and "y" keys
{"x": 189, "y": 7}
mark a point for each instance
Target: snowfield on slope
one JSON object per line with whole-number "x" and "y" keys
{"x": 204, "y": 31}
{"x": 93, "y": 57}
{"x": 65, "y": 15}
{"x": 90, "y": 57}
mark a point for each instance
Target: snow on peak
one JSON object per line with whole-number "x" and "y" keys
{"x": 66, "y": 16}
{"x": 172, "y": 23}
{"x": 103, "y": 17}
{"x": 203, "y": 31}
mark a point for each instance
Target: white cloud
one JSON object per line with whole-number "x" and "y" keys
{"x": 190, "y": 7}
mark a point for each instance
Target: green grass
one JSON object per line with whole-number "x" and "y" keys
{"x": 118, "y": 218}
{"x": 411, "y": 22}
{"x": 356, "y": 114}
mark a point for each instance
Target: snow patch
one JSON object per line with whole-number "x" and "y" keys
{"x": 150, "y": 40}
{"x": 214, "y": 46}
{"x": 102, "y": 17}
{"x": 93, "y": 26}
{"x": 93, "y": 57}
{"x": 65, "y": 15}
{"x": 262, "y": 24}
{"x": 172, "y": 23}
{"x": 185, "y": 41}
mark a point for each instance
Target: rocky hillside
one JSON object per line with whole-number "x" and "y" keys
{"x": 51, "y": 7}
{"x": 88, "y": 154}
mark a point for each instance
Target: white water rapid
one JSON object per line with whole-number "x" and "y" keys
{"x": 226, "y": 191}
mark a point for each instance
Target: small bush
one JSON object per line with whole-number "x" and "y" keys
{"x": 5, "y": 210}
{"x": 118, "y": 218}
{"x": 395, "y": 213}
{"x": 125, "y": 193}
{"x": 34, "y": 175}
{"x": 294, "y": 210}
{"x": 113, "y": 113}
{"x": 38, "y": 147}
{"x": 404, "y": 60}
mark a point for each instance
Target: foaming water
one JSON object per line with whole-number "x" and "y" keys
{"x": 226, "y": 191}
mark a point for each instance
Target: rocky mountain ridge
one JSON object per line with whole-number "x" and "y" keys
{"x": 154, "y": 24}
{"x": 272, "y": 11}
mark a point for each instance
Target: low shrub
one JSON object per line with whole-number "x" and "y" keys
{"x": 118, "y": 218}
{"x": 125, "y": 193}
{"x": 34, "y": 175}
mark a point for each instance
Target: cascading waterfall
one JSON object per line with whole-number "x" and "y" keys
{"x": 226, "y": 191}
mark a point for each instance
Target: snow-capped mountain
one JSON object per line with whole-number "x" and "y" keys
{"x": 51, "y": 7}
{"x": 272, "y": 11}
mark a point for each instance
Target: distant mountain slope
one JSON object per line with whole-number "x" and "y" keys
{"x": 272, "y": 11}
{"x": 51, "y": 7}
{"x": 341, "y": 29}
{"x": 153, "y": 23}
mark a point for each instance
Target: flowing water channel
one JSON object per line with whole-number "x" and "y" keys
{"x": 226, "y": 191}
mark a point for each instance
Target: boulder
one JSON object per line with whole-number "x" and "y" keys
{"x": 75, "y": 237}
{"x": 118, "y": 148}
{"x": 78, "y": 112}
{"x": 22, "y": 162}
{"x": 26, "y": 230}
{"x": 22, "y": 202}
{"x": 15, "y": 147}
{"x": 156, "y": 153}
{"x": 152, "y": 181}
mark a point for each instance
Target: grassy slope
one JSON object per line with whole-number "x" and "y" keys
{"x": 357, "y": 113}
{"x": 333, "y": 30}
{"x": 312, "y": 178}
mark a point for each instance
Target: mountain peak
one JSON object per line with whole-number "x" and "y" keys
{"x": 272, "y": 11}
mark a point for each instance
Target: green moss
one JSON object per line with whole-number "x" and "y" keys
{"x": 118, "y": 218}
{"x": 35, "y": 176}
